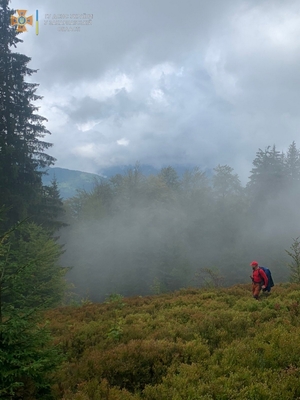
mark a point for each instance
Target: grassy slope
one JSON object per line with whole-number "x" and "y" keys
{"x": 69, "y": 181}
{"x": 192, "y": 344}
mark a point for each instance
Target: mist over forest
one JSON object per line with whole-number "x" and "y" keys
{"x": 136, "y": 235}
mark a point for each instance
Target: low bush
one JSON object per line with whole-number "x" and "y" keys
{"x": 188, "y": 345}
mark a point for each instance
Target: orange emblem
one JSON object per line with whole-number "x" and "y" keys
{"x": 21, "y": 20}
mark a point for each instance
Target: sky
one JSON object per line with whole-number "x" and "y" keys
{"x": 161, "y": 82}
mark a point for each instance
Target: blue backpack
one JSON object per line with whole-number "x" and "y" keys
{"x": 270, "y": 279}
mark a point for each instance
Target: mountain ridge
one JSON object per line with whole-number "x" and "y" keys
{"x": 69, "y": 181}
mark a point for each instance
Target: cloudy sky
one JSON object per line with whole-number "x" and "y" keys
{"x": 166, "y": 82}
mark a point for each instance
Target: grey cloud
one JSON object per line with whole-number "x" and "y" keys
{"x": 123, "y": 34}
{"x": 233, "y": 86}
{"x": 121, "y": 105}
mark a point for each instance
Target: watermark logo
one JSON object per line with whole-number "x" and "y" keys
{"x": 70, "y": 22}
{"x": 21, "y": 20}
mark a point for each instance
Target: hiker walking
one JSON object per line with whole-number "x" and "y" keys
{"x": 259, "y": 279}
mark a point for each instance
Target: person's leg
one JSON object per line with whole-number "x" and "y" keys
{"x": 255, "y": 290}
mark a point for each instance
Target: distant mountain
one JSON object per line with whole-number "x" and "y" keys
{"x": 69, "y": 181}
{"x": 144, "y": 168}
{"x": 122, "y": 169}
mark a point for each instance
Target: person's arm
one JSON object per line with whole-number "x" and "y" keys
{"x": 264, "y": 277}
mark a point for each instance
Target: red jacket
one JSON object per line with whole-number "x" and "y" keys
{"x": 259, "y": 276}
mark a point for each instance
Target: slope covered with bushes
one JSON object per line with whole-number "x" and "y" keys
{"x": 192, "y": 344}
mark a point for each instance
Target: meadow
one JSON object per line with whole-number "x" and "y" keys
{"x": 187, "y": 345}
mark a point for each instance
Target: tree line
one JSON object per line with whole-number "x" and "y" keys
{"x": 135, "y": 234}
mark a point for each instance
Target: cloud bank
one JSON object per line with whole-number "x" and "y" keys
{"x": 167, "y": 82}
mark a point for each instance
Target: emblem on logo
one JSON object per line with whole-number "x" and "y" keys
{"x": 21, "y": 20}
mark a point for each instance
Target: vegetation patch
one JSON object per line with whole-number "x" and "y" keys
{"x": 184, "y": 345}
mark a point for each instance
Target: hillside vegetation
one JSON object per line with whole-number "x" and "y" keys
{"x": 191, "y": 344}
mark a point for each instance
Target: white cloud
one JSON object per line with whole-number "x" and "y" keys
{"x": 123, "y": 142}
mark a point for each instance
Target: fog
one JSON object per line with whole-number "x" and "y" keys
{"x": 138, "y": 235}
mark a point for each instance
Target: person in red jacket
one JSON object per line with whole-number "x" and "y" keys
{"x": 259, "y": 279}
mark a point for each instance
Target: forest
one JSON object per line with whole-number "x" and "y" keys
{"x": 137, "y": 234}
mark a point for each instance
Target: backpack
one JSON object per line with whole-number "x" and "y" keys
{"x": 270, "y": 279}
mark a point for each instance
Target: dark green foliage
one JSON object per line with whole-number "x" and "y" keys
{"x": 30, "y": 281}
{"x": 26, "y": 358}
{"x": 51, "y": 212}
{"x": 21, "y": 129}
{"x": 32, "y": 273}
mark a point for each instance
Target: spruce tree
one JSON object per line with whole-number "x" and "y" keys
{"x": 22, "y": 155}
{"x": 292, "y": 164}
{"x": 51, "y": 211}
{"x": 225, "y": 182}
{"x": 268, "y": 174}
{"x": 31, "y": 281}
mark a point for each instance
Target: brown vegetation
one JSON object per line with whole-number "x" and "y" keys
{"x": 192, "y": 344}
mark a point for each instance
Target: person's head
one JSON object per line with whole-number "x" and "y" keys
{"x": 254, "y": 264}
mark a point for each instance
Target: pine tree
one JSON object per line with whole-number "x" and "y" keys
{"x": 225, "y": 183}
{"x": 169, "y": 177}
{"x": 21, "y": 149}
{"x": 30, "y": 281}
{"x": 292, "y": 164}
{"x": 51, "y": 212}
{"x": 267, "y": 176}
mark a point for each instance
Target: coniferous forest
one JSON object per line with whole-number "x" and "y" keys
{"x": 166, "y": 256}
{"x": 31, "y": 278}
{"x": 138, "y": 235}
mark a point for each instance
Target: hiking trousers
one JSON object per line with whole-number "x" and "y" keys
{"x": 256, "y": 288}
